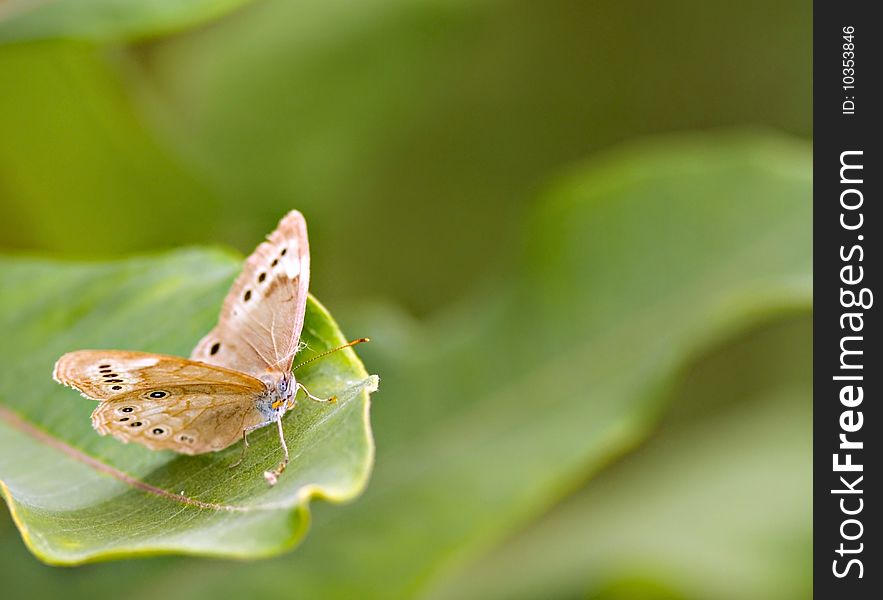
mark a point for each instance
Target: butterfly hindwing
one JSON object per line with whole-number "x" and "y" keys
{"x": 190, "y": 419}
{"x": 163, "y": 401}
{"x": 263, "y": 314}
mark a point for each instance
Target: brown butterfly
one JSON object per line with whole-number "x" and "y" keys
{"x": 238, "y": 377}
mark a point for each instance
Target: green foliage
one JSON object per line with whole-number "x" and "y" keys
{"x": 79, "y": 497}
{"x": 496, "y": 413}
{"x": 562, "y": 390}
{"x": 728, "y": 517}
{"x": 634, "y": 266}
{"x": 104, "y": 20}
{"x": 389, "y": 123}
{"x": 66, "y": 188}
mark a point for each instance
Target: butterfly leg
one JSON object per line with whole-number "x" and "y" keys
{"x": 245, "y": 433}
{"x": 273, "y": 476}
{"x": 315, "y": 398}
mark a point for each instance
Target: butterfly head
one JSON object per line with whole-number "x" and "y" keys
{"x": 281, "y": 391}
{"x": 285, "y": 386}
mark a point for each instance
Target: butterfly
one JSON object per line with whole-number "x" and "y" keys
{"x": 238, "y": 377}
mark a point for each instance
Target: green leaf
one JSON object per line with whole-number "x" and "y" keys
{"x": 77, "y": 496}
{"x": 716, "y": 504}
{"x": 79, "y": 173}
{"x": 358, "y": 109}
{"x": 105, "y": 20}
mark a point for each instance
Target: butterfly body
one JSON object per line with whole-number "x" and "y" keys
{"x": 238, "y": 377}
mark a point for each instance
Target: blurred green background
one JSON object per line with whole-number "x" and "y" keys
{"x": 607, "y": 202}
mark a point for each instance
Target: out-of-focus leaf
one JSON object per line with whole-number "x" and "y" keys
{"x": 358, "y": 111}
{"x": 420, "y": 130}
{"x": 77, "y": 497}
{"x": 496, "y": 411}
{"x": 79, "y": 173}
{"x": 104, "y": 20}
{"x": 716, "y": 505}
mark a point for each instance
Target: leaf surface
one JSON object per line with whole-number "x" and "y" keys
{"x": 77, "y": 496}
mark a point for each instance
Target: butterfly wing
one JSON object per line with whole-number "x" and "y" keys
{"x": 163, "y": 402}
{"x": 263, "y": 314}
{"x": 190, "y": 419}
{"x": 105, "y": 374}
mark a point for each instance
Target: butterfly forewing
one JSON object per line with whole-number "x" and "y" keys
{"x": 104, "y": 374}
{"x": 263, "y": 314}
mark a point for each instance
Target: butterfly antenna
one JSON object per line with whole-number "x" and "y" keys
{"x": 327, "y": 352}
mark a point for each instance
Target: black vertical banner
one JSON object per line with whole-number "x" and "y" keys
{"x": 848, "y": 370}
